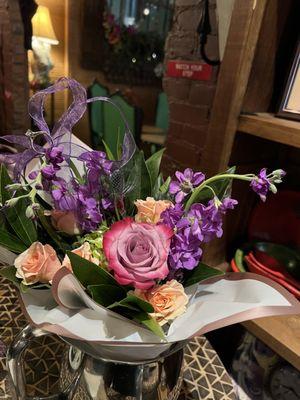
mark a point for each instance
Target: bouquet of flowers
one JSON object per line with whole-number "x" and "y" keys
{"x": 116, "y": 238}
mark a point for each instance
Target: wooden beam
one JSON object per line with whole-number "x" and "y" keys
{"x": 267, "y": 126}
{"x": 233, "y": 78}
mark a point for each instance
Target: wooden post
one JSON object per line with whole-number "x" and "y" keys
{"x": 233, "y": 78}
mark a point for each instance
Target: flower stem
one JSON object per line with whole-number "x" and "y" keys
{"x": 198, "y": 189}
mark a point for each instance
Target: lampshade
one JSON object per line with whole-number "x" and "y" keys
{"x": 42, "y": 26}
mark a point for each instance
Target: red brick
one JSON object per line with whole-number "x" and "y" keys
{"x": 202, "y": 93}
{"x": 188, "y": 18}
{"x": 177, "y": 88}
{"x": 183, "y": 45}
{"x": 188, "y": 113}
{"x": 195, "y": 134}
{"x": 183, "y": 152}
{"x": 175, "y": 130}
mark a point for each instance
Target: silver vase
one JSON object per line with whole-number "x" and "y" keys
{"x": 86, "y": 377}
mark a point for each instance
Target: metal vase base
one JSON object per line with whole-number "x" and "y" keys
{"x": 84, "y": 377}
{"x": 105, "y": 380}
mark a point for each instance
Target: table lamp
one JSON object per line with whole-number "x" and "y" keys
{"x": 42, "y": 39}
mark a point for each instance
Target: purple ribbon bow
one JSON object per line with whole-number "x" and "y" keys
{"x": 61, "y": 134}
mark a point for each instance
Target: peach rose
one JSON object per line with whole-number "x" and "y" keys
{"x": 65, "y": 221}
{"x": 83, "y": 251}
{"x": 38, "y": 263}
{"x": 168, "y": 300}
{"x": 149, "y": 210}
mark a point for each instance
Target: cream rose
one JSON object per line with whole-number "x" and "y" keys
{"x": 150, "y": 210}
{"x": 83, "y": 251}
{"x": 168, "y": 300}
{"x": 65, "y": 221}
{"x": 38, "y": 263}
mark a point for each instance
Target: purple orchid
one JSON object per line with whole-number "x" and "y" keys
{"x": 185, "y": 183}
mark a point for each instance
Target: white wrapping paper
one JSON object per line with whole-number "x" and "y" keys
{"x": 214, "y": 303}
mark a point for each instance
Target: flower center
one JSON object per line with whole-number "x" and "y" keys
{"x": 186, "y": 186}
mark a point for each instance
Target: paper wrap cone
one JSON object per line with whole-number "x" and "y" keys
{"x": 217, "y": 302}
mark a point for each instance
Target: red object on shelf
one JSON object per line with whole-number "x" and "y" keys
{"x": 276, "y": 270}
{"x": 256, "y": 268}
{"x": 199, "y": 71}
{"x": 277, "y": 220}
{"x": 233, "y": 266}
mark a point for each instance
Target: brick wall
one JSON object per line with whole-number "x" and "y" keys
{"x": 190, "y": 101}
{"x": 14, "y": 69}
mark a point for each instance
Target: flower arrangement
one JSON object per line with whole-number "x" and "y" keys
{"x": 133, "y": 239}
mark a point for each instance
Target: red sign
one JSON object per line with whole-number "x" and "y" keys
{"x": 199, "y": 71}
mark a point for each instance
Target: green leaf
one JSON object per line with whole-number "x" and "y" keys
{"x": 89, "y": 273}
{"x": 201, "y": 272}
{"x": 106, "y": 294}
{"x": 23, "y": 227}
{"x": 153, "y": 165}
{"x": 76, "y": 172}
{"x": 9, "y": 273}
{"x": 11, "y": 242}
{"x": 150, "y": 323}
{"x": 119, "y": 145}
{"x": 109, "y": 154}
{"x": 165, "y": 186}
{"x": 221, "y": 188}
{"x": 138, "y": 179}
{"x": 57, "y": 239}
{"x": 136, "y": 302}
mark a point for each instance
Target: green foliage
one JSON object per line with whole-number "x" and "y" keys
{"x": 11, "y": 242}
{"x": 106, "y": 291}
{"x": 153, "y": 166}
{"x": 23, "y": 227}
{"x": 221, "y": 188}
{"x": 150, "y": 323}
{"x": 138, "y": 180}
{"x": 201, "y": 272}
{"x": 108, "y": 152}
{"x": 106, "y": 294}
{"x": 9, "y": 272}
{"x": 134, "y": 301}
{"x": 52, "y": 233}
{"x": 88, "y": 273}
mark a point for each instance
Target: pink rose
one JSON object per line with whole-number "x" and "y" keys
{"x": 168, "y": 300}
{"x": 137, "y": 252}
{"x": 83, "y": 251}
{"x": 38, "y": 263}
{"x": 149, "y": 210}
{"x": 65, "y": 221}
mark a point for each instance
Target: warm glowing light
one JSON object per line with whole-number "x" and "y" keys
{"x": 42, "y": 26}
{"x": 146, "y": 11}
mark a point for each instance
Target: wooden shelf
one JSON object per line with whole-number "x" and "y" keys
{"x": 269, "y": 127}
{"x": 281, "y": 334}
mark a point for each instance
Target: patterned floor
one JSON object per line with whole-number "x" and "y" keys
{"x": 204, "y": 377}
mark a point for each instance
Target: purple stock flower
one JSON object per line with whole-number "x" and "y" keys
{"x": 201, "y": 224}
{"x": 172, "y": 215}
{"x": 261, "y": 184}
{"x": 54, "y": 155}
{"x": 185, "y": 183}
{"x": 49, "y": 172}
{"x": 64, "y": 198}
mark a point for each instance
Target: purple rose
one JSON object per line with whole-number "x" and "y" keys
{"x": 137, "y": 252}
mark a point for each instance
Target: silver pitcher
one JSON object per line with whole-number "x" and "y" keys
{"x": 84, "y": 377}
